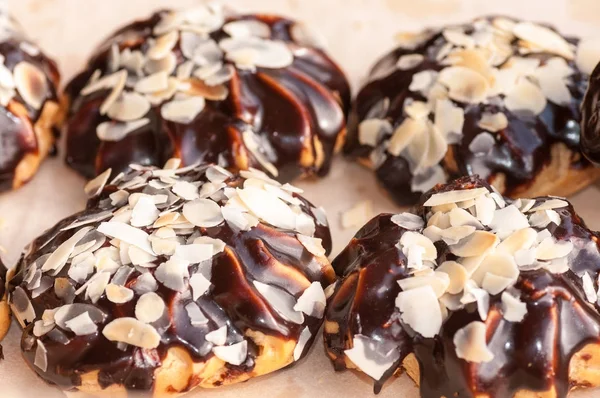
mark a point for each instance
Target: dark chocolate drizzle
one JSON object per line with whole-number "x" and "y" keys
{"x": 286, "y": 107}
{"x": 17, "y": 136}
{"x": 265, "y": 253}
{"x": 520, "y": 154}
{"x": 533, "y": 354}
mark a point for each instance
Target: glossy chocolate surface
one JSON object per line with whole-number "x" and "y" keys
{"x": 265, "y": 253}
{"x": 590, "y": 120}
{"x": 533, "y": 354}
{"x": 289, "y": 108}
{"x": 17, "y": 136}
{"x": 521, "y": 149}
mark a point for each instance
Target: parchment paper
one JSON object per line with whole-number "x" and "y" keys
{"x": 358, "y": 31}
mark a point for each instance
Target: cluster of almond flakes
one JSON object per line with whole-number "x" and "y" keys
{"x": 164, "y": 219}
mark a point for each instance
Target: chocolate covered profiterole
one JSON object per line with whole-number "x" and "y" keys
{"x": 474, "y": 295}
{"x": 173, "y": 279}
{"x": 29, "y": 110}
{"x": 4, "y": 309}
{"x": 497, "y": 97}
{"x": 207, "y": 84}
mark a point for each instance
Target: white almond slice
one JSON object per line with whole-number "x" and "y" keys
{"x": 370, "y": 131}
{"x": 482, "y": 144}
{"x": 436, "y": 150}
{"x": 408, "y": 221}
{"x": 549, "y": 205}
{"x": 403, "y": 136}
{"x": 217, "y": 174}
{"x": 485, "y": 208}
{"x": 118, "y": 198}
{"x": 541, "y": 219}
{"x": 513, "y": 309}
{"x": 410, "y": 61}
{"x": 507, "y": 220}
{"x": 269, "y": 54}
{"x": 457, "y": 273}
{"x": 253, "y": 145}
{"x": 588, "y": 55}
{"x": 458, "y": 38}
{"x": 557, "y": 266}
{"x": 493, "y": 122}
{"x": 144, "y": 212}
{"x": 197, "y": 317}
{"x": 7, "y": 80}
{"x": 312, "y": 301}
{"x": 494, "y": 284}
{"x": 31, "y": 83}
{"x": 119, "y": 86}
{"x": 234, "y": 354}
{"x": 555, "y": 89}
{"x": 183, "y": 111}
{"x": 217, "y": 337}
{"x": 217, "y": 244}
{"x": 111, "y": 131}
{"x": 282, "y": 302}
{"x": 126, "y": 233}
{"x": 268, "y": 207}
{"x": 57, "y": 260}
{"x": 22, "y": 307}
{"x": 149, "y": 308}
{"x": 420, "y": 310}
{"x": 194, "y": 253}
{"x": 163, "y": 45}
{"x": 454, "y": 196}
{"x": 526, "y": 97}
{"x": 153, "y": 83}
{"x": 313, "y": 245}
{"x": 118, "y": 294}
{"x": 370, "y": 356}
{"x": 453, "y": 235}
{"x": 464, "y": 84}
{"x": 416, "y": 109}
{"x": 145, "y": 283}
{"x": 414, "y": 256}
{"x": 544, "y": 38}
{"x": 129, "y": 107}
{"x": 471, "y": 345}
{"x": 95, "y": 186}
{"x": 521, "y": 239}
{"x": 441, "y": 216}
{"x": 303, "y": 339}
{"x": 525, "y": 257}
{"x": 172, "y": 274}
{"x": 96, "y": 286}
{"x": 41, "y": 356}
{"x": 459, "y": 217}
{"x": 588, "y": 288}
{"x": 104, "y": 83}
{"x": 238, "y": 219}
{"x": 133, "y": 332}
{"x": 167, "y": 64}
{"x": 438, "y": 281}
{"x": 185, "y": 190}
{"x": 138, "y": 256}
{"x": 203, "y": 213}
{"x": 550, "y": 249}
{"x": 499, "y": 264}
{"x": 449, "y": 120}
{"x": 199, "y": 285}
{"x": 423, "y": 81}
{"x": 410, "y": 239}
{"x": 476, "y": 244}
{"x": 247, "y": 28}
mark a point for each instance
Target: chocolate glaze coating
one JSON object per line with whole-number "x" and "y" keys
{"x": 590, "y": 122}
{"x": 520, "y": 150}
{"x": 291, "y": 108}
{"x": 17, "y": 135}
{"x": 265, "y": 253}
{"x": 533, "y": 354}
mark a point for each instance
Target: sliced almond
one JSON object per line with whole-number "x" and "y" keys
{"x": 513, "y": 309}
{"x": 544, "y": 38}
{"x": 471, "y": 344}
{"x": 31, "y": 83}
{"x": 476, "y": 244}
{"x": 370, "y": 131}
{"x": 464, "y": 84}
{"x": 454, "y": 196}
{"x": 493, "y": 122}
{"x": 183, "y": 111}
{"x": 133, "y": 332}
{"x": 457, "y": 273}
{"x": 111, "y": 131}
{"x": 163, "y": 45}
{"x": 203, "y": 213}
{"x": 129, "y": 107}
{"x": 371, "y": 357}
{"x": 420, "y": 310}
{"x": 149, "y": 308}
{"x": 526, "y": 97}
{"x": 410, "y": 61}
{"x": 95, "y": 186}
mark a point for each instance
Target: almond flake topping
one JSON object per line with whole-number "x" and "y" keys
{"x": 471, "y": 345}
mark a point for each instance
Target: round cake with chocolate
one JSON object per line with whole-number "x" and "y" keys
{"x": 29, "y": 110}
{"x": 171, "y": 279}
{"x": 4, "y": 309}
{"x": 498, "y": 97}
{"x": 473, "y": 295}
{"x": 590, "y": 123}
{"x": 207, "y": 84}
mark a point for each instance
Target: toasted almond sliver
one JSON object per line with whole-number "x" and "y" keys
{"x": 544, "y": 38}
{"x": 95, "y": 186}
{"x": 443, "y": 198}
{"x": 31, "y": 83}
{"x": 369, "y": 356}
{"x": 476, "y": 244}
{"x": 405, "y": 133}
{"x": 370, "y": 131}
{"x": 420, "y": 310}
{"x": 513, "y": 309}
{"x": 549, "y": 205}
{"x": 471, "y": 345}
{"x": 409, "y": 61}
{"x": 457, "y": 273}
{"x": 464, "y": 84}
{"x": 493, "y": 122}
{"x": 526, "y": 97}
{"x": 132, "y": 331}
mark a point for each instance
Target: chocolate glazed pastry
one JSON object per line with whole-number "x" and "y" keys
{"x": 4, "y": 310}
{"x": 172, "y": 279}
{"x": 29, "y": 110}
{"x": 497, "y": 97}
{"x": 590, "y": 121}
{"x": 208, "y": 85}
{"x": 473, "y": 295}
